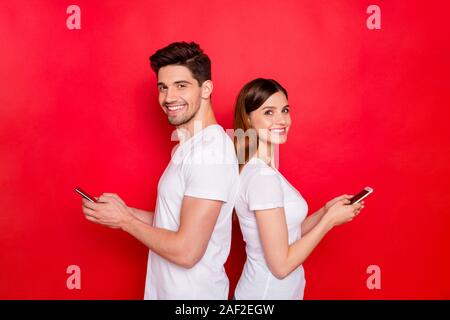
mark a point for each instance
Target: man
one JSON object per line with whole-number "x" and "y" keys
{"x": 189, "y": 234}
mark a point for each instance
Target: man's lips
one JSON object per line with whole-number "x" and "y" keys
{"x": 173, "y": 109}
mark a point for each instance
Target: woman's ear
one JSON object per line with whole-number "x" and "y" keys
{"x": 207, "y": 88}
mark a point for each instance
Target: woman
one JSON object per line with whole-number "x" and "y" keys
{"x": 271, "y": 211}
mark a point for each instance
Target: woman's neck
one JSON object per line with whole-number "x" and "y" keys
{"x": 266, "y": 152}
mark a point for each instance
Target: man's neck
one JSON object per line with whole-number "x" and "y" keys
{"x": 204, "y": 118}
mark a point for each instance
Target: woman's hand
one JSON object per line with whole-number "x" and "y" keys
{"x": 330, "y": 203}
{"x": 339, "y": 210}
{"x": 110, "y": 210}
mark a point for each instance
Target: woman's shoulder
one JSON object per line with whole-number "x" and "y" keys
{"x": 257, "y": 171}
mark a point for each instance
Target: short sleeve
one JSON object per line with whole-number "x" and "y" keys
{"x": 212, "y": 171}
{"x": 265, "y": 191}
{"x": 210, "y": 181}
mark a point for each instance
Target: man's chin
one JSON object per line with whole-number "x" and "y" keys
{"x": 176, "y": 121}
{"x": 180, "y": 119}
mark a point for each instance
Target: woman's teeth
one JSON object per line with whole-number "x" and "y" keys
{"x": 278, "y": 130}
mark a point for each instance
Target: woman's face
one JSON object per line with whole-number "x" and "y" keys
{"x": 272, "y": 120}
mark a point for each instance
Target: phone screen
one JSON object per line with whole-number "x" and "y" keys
{"x": 361, "y": 195}
{"x": 85, "y": 195}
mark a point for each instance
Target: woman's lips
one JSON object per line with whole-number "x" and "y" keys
{"x": 278, "y": 130}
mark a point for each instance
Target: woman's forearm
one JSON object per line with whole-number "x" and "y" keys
{"x": 302, "y": 248}
{"x": 310, "y": 222}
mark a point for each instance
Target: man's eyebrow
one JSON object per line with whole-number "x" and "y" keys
{"x": 182, "y": 81}
{"x": 162, "y": 84}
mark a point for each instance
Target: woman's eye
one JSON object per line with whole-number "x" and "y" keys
{"x": 286, "y": 110}
{"x": 268, "y": 112}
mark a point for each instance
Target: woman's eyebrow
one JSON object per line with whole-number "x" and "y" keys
{"x": 272, "y": 107}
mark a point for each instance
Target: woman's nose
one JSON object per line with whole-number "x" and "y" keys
{"x": 280, "y": 119}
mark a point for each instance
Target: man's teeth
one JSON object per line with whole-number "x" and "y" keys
{"x": 173, "y": 108}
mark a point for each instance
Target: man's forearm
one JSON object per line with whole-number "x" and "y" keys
{"x": 165, "y": 243}
{"x": 310, "y": 222}
{"x": 143, "y": 215}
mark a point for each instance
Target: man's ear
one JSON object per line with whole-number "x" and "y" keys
{"x": 207, "y": 88}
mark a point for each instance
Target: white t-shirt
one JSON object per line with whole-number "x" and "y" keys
{"x": 205, "y": 166}
{"x": 263, "y": 187}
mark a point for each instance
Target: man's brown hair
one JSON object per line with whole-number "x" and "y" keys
{"x": 185, "y": 54}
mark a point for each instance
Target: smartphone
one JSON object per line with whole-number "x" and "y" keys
{"x": 361, "y": 195}
{"x": 85, "y": 195}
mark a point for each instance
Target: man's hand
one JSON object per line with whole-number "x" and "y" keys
{"x": 110, "y": 210}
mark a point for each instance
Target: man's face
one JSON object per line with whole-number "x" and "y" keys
{"x": 179, "y": 94}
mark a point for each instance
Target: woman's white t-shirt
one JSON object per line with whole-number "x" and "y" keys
{"x": 263, "y": 187}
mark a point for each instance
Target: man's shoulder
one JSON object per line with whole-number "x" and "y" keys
{"x": 216, "y": 140}
{"x": 213, "y": 135}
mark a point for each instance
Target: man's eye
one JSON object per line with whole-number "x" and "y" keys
{"x": 161, "y": 89}
{"x": 180, "y": 86}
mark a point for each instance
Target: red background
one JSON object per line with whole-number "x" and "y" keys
{"x": 369, "y": 107}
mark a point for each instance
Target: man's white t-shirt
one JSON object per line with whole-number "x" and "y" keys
{"x": 263, "y": 187}
{"x": 205, "y": 166}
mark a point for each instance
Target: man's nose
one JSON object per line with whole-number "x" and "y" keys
{"x": 170, "y": 95}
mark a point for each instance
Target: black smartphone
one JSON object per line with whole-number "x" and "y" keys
{"x": 84, "y": 194}
{"x": 361, "y": 195}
